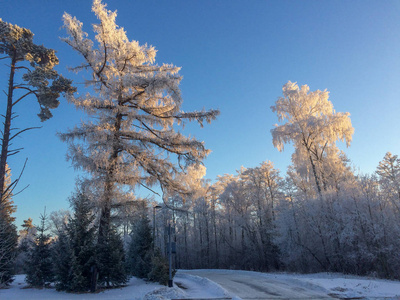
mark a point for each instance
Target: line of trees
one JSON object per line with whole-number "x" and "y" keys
{"x": 320, "y": 216}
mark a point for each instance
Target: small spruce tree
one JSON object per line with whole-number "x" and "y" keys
{"x": 143, "y": 260}
{"x": 111, "y": 260}
{"x": 75, "y": 251}
{"x": 140, "y": 249}
{"x": 62, "y": 254}
{"x": 81, "y": 232}
{"x": 39, "y": 271}
{"x": 159, "y": 268}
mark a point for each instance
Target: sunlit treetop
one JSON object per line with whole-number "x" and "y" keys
{"x": 310, "y": 118}
{"x": 16, "y": 43}
{"x": 136, "y": 107}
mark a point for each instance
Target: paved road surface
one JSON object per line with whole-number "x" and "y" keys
{"x": 249, "y": 286}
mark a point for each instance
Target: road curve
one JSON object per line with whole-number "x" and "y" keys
{"x": 256, "y": 286}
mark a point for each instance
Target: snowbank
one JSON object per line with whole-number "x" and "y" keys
{"x": 188, "y": 286}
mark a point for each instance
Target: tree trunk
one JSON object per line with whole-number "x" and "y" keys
{"x": 316, "y": 177}
{"x": 7, "y": 128}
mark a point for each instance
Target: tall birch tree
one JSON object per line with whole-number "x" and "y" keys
{"x": 311, "y": 124}
{"x": 134, "y": 104}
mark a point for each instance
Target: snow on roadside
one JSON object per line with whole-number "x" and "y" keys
{"x": 334, "y": 284}
{"x": 200, "y": 287}
{"x": 136, "y": 289}
{"x": 337, "y": 285}
{"x": 348, "y": 286}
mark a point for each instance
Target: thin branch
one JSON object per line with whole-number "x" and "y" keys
{"x": 9, "y": 190}
{"x": 149, "y": 189}
{"x": 23, "y": 67}
{"x": 22, "y": 97}
{"x": 13, "y": 152}
{"x": 26, "y": 129}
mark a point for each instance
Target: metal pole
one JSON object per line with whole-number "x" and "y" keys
{"x": 170, "y": 282}
{"x": 154, "y": 226}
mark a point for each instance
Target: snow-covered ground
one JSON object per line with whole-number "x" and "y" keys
{"x": 189, "y": 286}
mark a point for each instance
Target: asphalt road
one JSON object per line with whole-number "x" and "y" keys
{"x": 249, "y": 286}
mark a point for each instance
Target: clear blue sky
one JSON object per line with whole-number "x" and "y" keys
{"x": 235, "y": 56}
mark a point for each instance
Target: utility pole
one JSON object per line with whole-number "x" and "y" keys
{"x": 170, "y": 282}
{"x": 154, "y": 224}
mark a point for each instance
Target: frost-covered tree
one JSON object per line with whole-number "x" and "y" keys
{"x": 25, "y": 243}
{"x": 135, "y": 109}
{"x": 388, "y": 171}
{"x": 38, "y": 78}
{"x": 311, "y": 124}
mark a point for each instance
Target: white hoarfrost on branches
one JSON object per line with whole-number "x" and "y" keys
{"x": 132, "y": 138}
{"x": 312, "y": 125}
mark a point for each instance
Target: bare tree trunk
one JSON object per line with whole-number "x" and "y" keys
{"x": 316, "y": 177}
{"x": 7, "y": 128}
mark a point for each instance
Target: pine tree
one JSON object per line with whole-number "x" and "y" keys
{"x": 62, "y": 255}
{"x": 110, "y": 259}
{"x": 74, "y": 251}
{"x": 8, "y": 235}
{"x": 39, "y": 271}
{"x": 8, "y": 250}
{"x": 140, "y": 249}
{"x": 81, "y": 231}
{"x": 143, "y": 259}
{"x": 17, "y": 45}
{"x": 159, "y": 268}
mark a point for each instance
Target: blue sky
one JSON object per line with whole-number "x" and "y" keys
{"x": 235, "y": 56}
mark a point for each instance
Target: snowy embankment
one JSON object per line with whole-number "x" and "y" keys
{"x": 188, "y": 286}
{"x": 350, "y": 287}
{"x": 335, "y": 285}
{"x": 136, "y": 289}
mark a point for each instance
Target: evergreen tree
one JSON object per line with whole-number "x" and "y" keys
{"x": 39, "y": 271}
{"x": 8, "y": 235}
{"x": 111, "y": 260}
{"x": 62, "y": 254}
{"x": 8, "y": 250}
{"x": 74, "y": 252}
{"x": 81, "y": 232}
{"x": 40, "y": 79}
{"x": 143, "y": 260}
{"x": 140, "y": 249}
{"x": 159, "y": 268}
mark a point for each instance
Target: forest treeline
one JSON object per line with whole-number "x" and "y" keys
{"x": 261, "y": 220}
